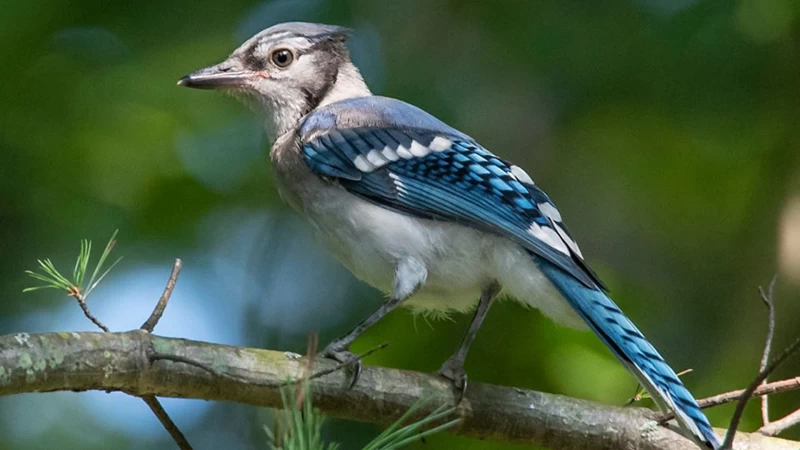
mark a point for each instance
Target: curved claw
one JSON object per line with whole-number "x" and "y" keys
{"x": 351, "y": 360}
{"x": 356, "y": 368}
{"x": 462, "y": 390}
{"x": 453, "y": 370}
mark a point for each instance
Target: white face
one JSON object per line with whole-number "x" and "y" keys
{"x": 282, "y": 74}
{"x": 287, "y": 63}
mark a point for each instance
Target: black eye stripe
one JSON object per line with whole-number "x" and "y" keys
{"x": 257, "y": 60}
{"x": 251, "y": 60}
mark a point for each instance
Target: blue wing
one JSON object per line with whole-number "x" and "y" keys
{"x": 400, "y": 157}
{"x": 441, "y": 174}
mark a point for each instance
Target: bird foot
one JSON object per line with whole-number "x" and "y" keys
{"x": 453, "y": 370}
{"x": 351, "y": 361}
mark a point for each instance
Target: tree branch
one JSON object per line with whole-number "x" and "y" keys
{"x": 123, "y": 362}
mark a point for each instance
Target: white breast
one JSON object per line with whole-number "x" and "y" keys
{"x": 369, "y": 240}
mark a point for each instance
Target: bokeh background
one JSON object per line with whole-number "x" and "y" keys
{"x": 665, "y": 130}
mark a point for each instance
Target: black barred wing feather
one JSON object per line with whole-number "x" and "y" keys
{"x": 446, "y": 177}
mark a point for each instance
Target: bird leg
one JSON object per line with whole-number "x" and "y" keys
{"x": 453, "y": 368}
{"x": 409, "y": 276}
{"x": 339, "y": 349}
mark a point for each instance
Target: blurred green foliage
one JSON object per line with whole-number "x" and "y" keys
{"x": 665, "y": 130}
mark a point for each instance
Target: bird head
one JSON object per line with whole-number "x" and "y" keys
{"x": 286, "y": 71}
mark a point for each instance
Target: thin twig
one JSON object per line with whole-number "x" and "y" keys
{"x": 165, "y": 420}
{"x": 737, "y": 413}
{"x": 340, "y": 366}
{"x": 774, "y": 387}
{"x": 85, "y": 308}
{"x": 155, "y": 316}
{"x": 767, "y": 298}
{"x": 780, "y": 425}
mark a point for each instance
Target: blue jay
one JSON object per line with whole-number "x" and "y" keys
{"x": 419, "y": 209}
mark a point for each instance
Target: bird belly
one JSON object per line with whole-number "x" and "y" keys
{"x": 461, "y": 261}
{"x": 370, "y": 240}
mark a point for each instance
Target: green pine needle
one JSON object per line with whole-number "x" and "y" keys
{"x": 82, "y": 262}
{"x": 302, "y": 425}
{"x": 36, "y": 288}
{"x": 419, "y": 436}
{"x": 93, "y": 281}
{"x": 384, "y": 437}
{"x": 395, "y": 437}
{"x": 53, "y": 279}
{"x": 54, "y": 274}
{"x": 96, "y": 282}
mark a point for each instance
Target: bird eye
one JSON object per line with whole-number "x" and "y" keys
{"x": 282, "y": 58}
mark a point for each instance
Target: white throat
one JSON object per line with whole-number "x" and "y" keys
{"x": 283, "y": 115}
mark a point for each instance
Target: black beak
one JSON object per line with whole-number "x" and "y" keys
{"x": 216, "y": 77}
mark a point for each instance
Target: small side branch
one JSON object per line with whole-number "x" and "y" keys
{"x": 88, "y": 313}
{"x": 150, "y": 324}
{"x": 781, "y": 425}
{"x": 167, "y": 422}
{"x": 775, "y": 387}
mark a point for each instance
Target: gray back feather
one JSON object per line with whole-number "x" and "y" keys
{"x": 373, "y": 111}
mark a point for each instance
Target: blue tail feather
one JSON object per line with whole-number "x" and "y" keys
{"x": 629, "y": 345}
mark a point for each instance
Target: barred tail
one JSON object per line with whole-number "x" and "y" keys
{"x": 629, "y": 345}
